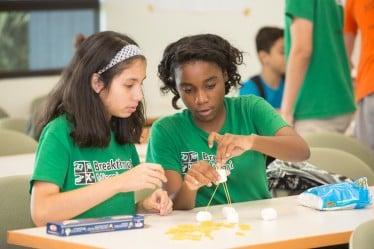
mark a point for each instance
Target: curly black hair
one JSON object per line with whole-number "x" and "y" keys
{"x": 204, "y": 47}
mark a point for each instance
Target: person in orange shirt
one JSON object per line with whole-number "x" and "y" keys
{"x": 359, "y": 16}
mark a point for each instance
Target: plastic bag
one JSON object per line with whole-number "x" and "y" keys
{"x": 344, "y": 195}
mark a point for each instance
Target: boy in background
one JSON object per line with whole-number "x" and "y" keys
{"x": 269, "y": 84}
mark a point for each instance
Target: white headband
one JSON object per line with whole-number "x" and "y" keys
{"x": 126, "y": 52}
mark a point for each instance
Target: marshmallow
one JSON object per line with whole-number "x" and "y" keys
{"x": 269, "y": 214}
{"x": 227, "y": 210}
{"x": 230, "y": 214}
{"x": 203, "y": 216}
{"x": 232, "y": 218}
{"x": 222, "y": 175}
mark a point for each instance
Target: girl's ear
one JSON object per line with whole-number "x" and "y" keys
{"x": 96, "y": 84}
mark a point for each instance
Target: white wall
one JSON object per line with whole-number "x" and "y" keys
{"x": 153, "y": 27}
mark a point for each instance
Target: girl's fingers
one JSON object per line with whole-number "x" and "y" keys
{"x": 212, "y": 174}
{"x": 169, "y": 208}
{"x": 157, "y": 174}
{"x": 191, "y": 182}
{"x": 229, "y": 152}
{"x": 213, "y": 137}
{"x": 202, "y": 179}
{"x": 155, "y": 181}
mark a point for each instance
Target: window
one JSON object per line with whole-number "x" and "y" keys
{"x": 37, "y": 35}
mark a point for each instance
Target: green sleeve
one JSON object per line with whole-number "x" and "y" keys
{"x": 300, "y": 8}
{"x": 51, "y": 160}
{"x": 161, "y": 149}
{"x": 265, "y": 118}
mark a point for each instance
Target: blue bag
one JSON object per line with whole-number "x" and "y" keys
{"x": 344, "y": 195}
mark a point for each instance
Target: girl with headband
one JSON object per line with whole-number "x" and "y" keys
{"x": 86, "y": 163}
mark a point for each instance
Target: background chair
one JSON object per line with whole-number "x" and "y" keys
{"x": 13, "y": 142}
{"x": 3, "y": 113}
{"x": 15, "y": 124}
{"x": 37, "y": 103}
{"x": 14, "y": 206}
{"x": 340, "y": 162}
{"x": 363, "y": 236}
{"x": 37, "y": 107}
{"x": 341, "y": 142}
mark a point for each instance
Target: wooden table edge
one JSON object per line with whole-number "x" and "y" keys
{"x": 305, "y": 242}
{"x": 17, "y": 238}
{"x": 20, "y": 239}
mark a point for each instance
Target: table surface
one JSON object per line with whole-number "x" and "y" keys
{"x": 295, "y": 227}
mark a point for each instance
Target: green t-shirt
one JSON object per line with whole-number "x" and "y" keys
{"x": 176, "y": 143}
{"x": 327, "y": 89}
{"x": 60, "y": 161}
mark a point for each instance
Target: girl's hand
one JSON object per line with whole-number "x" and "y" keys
{"x": 230, "y": 145}
{"x": 143, "y": 176}
{"x": 158, "y": 202}
{"x": 200, "y": 174}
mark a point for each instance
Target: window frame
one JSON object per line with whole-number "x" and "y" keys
{"x": 45, "y": 5}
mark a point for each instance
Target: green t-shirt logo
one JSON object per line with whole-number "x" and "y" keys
{"x": 191, "y": 157}
{"x": 85, "y": 173}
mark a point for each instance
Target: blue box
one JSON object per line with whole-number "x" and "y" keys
{"x": 95, "y": 225}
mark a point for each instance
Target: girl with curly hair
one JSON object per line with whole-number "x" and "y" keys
{"x": 215, "y": 131}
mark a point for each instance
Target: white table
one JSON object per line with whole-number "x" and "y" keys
{"x": 296, "y": 227}
{"x": 23, "y": 164}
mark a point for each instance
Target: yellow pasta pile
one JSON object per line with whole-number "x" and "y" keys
{"x": 203, "y": 229}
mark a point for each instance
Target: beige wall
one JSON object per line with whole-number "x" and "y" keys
{"x": 153, "y": 28}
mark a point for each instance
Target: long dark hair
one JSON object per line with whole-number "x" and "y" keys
{"x": 205, "y": 47}
{"x": 74, "y": 96}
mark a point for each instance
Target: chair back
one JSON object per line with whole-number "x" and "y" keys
{"x": 14, "y": 206}
{"x": 341, "y": 142}
{"x": 363, "y": 236}
{"x": 3, "y": 113}
{"x": 13, "y": 143}
{"x": 15, "y": 124}
{"x": 340, "y": 162}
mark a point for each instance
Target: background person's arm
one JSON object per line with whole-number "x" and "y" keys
{"x": 350, "y": 29}
{"x": 349, "y": 40}
{"x": 297, "y": 64}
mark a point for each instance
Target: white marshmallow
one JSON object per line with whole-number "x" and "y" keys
{"x": 269, "y": 214}
{"x": 230, "y": 214}
{"x": 232, "y": 218}
{"x": 227, "y": 210}
{"x": 222, "y": 175}
{"x": 203, "y": 216}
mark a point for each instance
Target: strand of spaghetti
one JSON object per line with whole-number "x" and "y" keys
{"x": 211, "y": 198}
{"x": 228, "y": 193}
{"x": 227, "y": 187}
